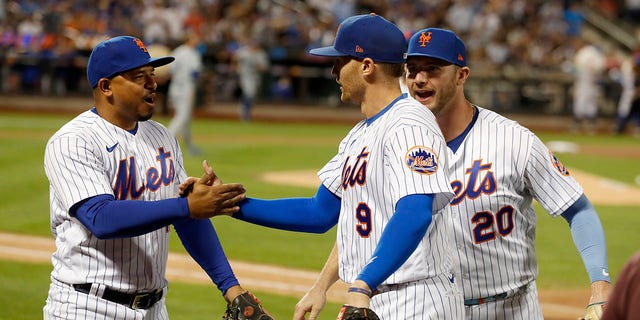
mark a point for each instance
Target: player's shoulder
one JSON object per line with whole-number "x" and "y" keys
{"x": 155, "y": 128}
{"x": 492, "y": 118}
{"x": 79, "y": 127}
{"x": 409, "y": 108}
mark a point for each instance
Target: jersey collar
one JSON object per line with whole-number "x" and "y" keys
{"x": 383, "y": 111}
{"x": 132, "y": 131}
{"x": 457, "y": 141}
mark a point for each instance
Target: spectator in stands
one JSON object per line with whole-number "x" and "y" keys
{"x": 633, "y": 11}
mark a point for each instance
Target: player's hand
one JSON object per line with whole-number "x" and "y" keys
{"x": 210, "y": 197}
{"x": 211, "y": 178}
{"x": 594, "y": 311}
{"x": 600, "y": 291}
{"x": 312, "y": 302}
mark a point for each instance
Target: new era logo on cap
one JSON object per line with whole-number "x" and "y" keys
{"x": 439, "y": 44}
{"x": 117, "y": 55}
{"x": 367, "y": 36}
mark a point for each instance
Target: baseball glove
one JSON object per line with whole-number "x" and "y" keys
{"x": 246, "y": 307}
{"x": 594, "y": 311}
{"x": 352, "y": 313}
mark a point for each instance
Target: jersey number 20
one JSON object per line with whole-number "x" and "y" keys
{"x": 485, "y": 221}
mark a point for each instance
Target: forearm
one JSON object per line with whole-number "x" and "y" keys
{"x": 108, "y": 218}
{"x": 201, "y": 241}
{"x": 589, "y": 238}
{"x": 316, "y": 215}
{"x": 401, "y": 236}
{"x": 329, "y": 273}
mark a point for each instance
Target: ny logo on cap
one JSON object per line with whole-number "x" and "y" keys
{"x": 140, "y": 44}
{"x": 424, "y": 39}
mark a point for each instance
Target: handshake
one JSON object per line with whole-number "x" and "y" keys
{"x": 208, "y": 196}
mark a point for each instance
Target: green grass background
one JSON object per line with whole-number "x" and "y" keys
{"x": 241, "y": 152}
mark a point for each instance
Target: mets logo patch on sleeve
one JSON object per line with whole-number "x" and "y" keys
{"x": 422, "y": 160}
{"x": 558, "y": 165}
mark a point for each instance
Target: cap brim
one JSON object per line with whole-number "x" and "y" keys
{"x": 157, "y": 62}
{"x": 326, "y": 52}
{"x": 430, "y": 56}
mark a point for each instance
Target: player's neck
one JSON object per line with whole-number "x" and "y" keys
{"x": 454, "y": 120}
{"x": 378, "y": 98}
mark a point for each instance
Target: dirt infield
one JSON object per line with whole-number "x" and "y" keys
{"x": 556, "y": 304}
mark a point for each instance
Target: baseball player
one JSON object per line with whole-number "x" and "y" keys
{"x": 589, "y": 63}
{"x": 629, "y": 103}
{"x": 184, "y": 72}
{"x": 114, "y": 177}
{"x": 250, "y": 61}
{"x": 385, "y": 188}
{"x": 497, "y": 168}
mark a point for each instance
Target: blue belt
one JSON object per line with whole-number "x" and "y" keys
{"x": 474, "y": 302}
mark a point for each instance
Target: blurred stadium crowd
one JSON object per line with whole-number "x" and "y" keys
{"x": 44, "y": 44}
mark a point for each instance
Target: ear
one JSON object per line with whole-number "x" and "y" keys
{"x": 463, "y": 74}
{"x": 104, "y": 86}
{"x": 367, "y": 66}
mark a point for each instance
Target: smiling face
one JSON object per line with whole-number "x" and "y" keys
{"x": 131, "y": 95}
{"x": 433, "y": 82}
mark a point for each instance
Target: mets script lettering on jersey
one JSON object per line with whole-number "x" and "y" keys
{"x": 486, "y": 185}
{"x": 356, "y": 174}
{"x": 126, "y": 181}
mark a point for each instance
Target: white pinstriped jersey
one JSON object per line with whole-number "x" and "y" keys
{"x": 496, "y": 173}
{"x": 399, "y": 152}
{"x": 89, "y": 156}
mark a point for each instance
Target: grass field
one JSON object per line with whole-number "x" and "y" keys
{"x": 241, "y": 153}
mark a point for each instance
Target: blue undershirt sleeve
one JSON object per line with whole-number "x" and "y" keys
{"x": 588, "y": 237}
{"x": 400, "y": 237}
{"x": 315, "y": 215}
{"x": 108, "y": 218}
{"x": 200, "y": 239}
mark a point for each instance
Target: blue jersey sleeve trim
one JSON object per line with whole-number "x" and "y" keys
{"x": 400, "y": 238}
{"x": 108, "y": 218}
{"x": 588, "y": 237}
{"x": 316, "y": 215}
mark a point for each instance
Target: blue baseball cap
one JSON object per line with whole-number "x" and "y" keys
{"x": 119, "y": 54}
{"x": 367, "y": 36}
{"x": 439, "y": 44}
